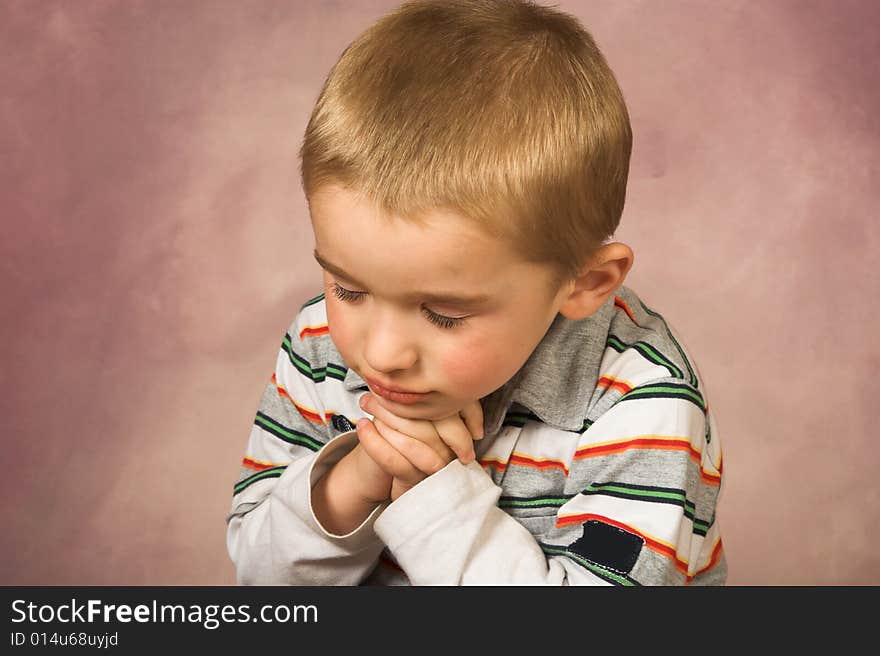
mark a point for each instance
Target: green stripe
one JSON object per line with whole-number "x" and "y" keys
{"x": 312, "y": 301}
{"x": 662, "y": 495}
{"x": 601, "y": 572}
{"x": 303, "y": 366}
{"x": 336, "y": 371}
{"x": 285, "y": 433}
{"x": 693, "y": 377}
{"x": 680, "y": 392}
{"x": 616, "y": 343}
{"x": 535, "y": 502}
{"x": 315, "y": 374}
{"x": 655, "y": 494}
{"x": 298, "y": 361}
{"x": 648, "y": 352}
{"x": 701, "y": 526}
{"x": 272, "y": 472}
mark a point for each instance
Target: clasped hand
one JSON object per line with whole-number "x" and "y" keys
{"x": 405, "y": 451}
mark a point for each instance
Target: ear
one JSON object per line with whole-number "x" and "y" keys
{"x": 600, "y": 277}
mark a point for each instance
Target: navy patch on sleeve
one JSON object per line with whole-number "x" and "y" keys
{"x": 608, "y": 546}
{"x": 341, "y": 423}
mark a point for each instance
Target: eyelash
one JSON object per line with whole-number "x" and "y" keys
{"x": 440, "y": 320}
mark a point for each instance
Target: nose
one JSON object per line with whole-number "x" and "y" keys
{"x": 389, "y": 345}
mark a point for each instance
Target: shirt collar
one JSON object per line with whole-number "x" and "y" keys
{"x": 557, "y": 380}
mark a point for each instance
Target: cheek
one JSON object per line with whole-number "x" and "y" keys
{"x": 472, "y": 369}
{"x": 340, "y": 330}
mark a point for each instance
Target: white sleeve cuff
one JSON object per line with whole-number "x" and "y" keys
{"x": 332, "y": 452}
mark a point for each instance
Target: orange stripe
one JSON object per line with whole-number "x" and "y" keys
{"x": 258, "y": 465}
{"x": 524, "y": 461}
{"x": 615, "y": 383}
{"x": 674, "y": 444}
{"x": 538, "y": 463}
{"x": 314, "y": 331}
{"x": 644, "y": 442}
{"x": 655, "y": 442}
{"x": 619, "y": 302}
{"x": 655, "y": 545}
{"x": 713, "y": 559}
{"x": 308, "y": 413}
{"x": 497, "y": 464}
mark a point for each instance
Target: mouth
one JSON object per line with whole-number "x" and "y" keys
{"x": 396, "y": 395}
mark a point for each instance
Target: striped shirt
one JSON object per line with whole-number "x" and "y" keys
{"x": 601, "y": 464}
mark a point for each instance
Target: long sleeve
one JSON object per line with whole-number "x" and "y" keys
{"x": 636, "y": 506}
{"x": 272, "y": 534}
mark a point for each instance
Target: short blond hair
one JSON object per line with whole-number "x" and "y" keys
{"x": 503, "y": 111}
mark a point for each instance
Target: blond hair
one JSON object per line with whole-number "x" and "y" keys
{"x": 503, "y": 111}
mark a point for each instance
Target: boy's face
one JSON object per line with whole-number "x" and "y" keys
{"x": 384, "y": 280}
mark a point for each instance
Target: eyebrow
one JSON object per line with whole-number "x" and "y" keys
{"x": 433, "y": 297}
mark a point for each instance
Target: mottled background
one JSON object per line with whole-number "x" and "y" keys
{"x": 156, "y": 245}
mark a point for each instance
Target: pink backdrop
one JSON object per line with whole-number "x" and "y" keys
{"x": 156, "y": 246}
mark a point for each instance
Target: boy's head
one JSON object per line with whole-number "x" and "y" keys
{"x": 474, "y": 136}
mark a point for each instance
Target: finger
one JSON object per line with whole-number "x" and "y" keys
{"x": 422, "y": 430}
{"x": 472, "y": 414}
{"x": 419, "y": 428}
{"x": 457, "y": 437}
{"x": 422, "y": 456}
{"x": 384, "y": 454}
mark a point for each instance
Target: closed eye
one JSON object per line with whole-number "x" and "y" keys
{"x": 346, "y": 295}
{"x": 349, "y": 296}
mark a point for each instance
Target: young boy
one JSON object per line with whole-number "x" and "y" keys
{"x": 527, "y": 419}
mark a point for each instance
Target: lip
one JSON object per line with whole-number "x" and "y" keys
{"x": 396, "y": 394}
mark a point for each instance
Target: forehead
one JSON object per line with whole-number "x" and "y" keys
{"x": 440, "y": 249}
